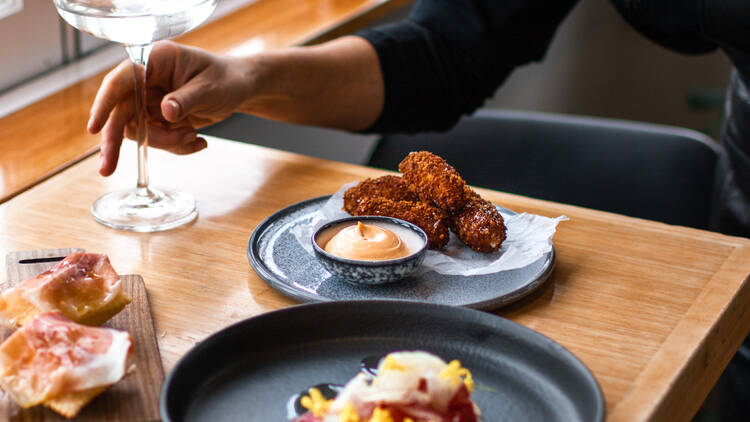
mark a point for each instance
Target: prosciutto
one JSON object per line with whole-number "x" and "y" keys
{"x": 52, "y": 356}
{"x": 81, "y": 286}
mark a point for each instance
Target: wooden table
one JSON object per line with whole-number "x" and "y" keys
{"x": 44, "y": 138}
{"x": 655, "y": 311}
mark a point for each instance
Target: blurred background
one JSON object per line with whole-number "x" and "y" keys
{"x": 596, "y": 65}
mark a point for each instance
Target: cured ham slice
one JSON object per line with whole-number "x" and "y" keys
{"x": 83, "y": 286}
{"x": 61, "y": 364}
{"x": 409, "y": 386}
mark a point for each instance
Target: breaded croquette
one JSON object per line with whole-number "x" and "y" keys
{"x": 479, "y": 224}
{"x": 432, "y": 220}
{"x": 388, "y": 186}
{"x": 432, "y": 195}
{"x": 433, "y": 180}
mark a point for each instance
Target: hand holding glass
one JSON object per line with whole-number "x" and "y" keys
{"x": 137, "y": 24}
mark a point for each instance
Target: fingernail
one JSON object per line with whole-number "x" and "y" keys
{"x": 194, "y": 147}
{"x": 172, "y": 109}
{"x": 200, "y": 145}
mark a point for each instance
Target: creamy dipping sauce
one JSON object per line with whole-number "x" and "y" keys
{"x": 369, "y": 242}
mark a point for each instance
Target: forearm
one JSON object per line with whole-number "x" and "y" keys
{"x": 337, "y": 84}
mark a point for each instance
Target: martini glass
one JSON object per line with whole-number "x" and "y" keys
{"x": 137, "y": 24}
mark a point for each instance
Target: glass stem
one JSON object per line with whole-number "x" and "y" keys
{"x": 139, "y": 58}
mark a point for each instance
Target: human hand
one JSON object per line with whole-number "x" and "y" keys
{"x": 187, "y": 88}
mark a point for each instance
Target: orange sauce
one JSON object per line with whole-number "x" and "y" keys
{"x": 365, "y": 242}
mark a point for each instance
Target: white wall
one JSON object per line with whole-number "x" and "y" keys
{"x": 598, "y": 65}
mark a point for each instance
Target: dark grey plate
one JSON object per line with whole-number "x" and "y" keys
{"x": 280, "y": 260}
{"x": 250, "y": 370}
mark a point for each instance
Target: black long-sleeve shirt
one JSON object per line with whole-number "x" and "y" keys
{"x": 451, "y": 55}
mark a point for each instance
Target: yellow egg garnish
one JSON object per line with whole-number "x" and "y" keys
{"x": 454, "y": 371}
{"x": 349, "y": 414}
{"x": 381, "y": 415}
{"x": 391, "y": 364}
{"x": 316, "y": 402}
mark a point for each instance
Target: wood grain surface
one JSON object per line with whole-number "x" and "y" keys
{"x": 136, "y": 397}
{"x": 40, "y": 140}
{"x": 655, "y": 311}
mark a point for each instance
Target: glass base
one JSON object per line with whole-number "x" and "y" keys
{"x": 145, "y": 209}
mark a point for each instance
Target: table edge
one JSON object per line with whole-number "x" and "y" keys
{"x": 708, "y": 348}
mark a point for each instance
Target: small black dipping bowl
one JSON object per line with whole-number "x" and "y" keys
{"x": 372, "y": 272}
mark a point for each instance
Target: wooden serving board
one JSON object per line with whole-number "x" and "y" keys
{"x": 136, "y": 397}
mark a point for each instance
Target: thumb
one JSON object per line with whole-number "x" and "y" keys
{"x": 171, "y": 109}
{"x": 176, "y": 105}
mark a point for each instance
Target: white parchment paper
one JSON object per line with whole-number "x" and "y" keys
{"x": 528, "y": 237}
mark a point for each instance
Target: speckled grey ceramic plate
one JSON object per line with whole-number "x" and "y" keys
{"x": 251, "y": 370}
{"x": 280, "y": 260}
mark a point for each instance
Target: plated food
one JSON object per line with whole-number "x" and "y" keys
{"x": 276, "y": 250}
{"x": 59, "y": 357}
{"x": 83, "y": 286}
{"x": 411, "y": 386}
{"x": 61, "y": 364}
{"x": 432, "y": 195}
{"x": 519, "y": 374}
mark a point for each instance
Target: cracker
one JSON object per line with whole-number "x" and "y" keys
{"x": 68, "y": 405}
{"x": 17, "y": 311}
{"x": 101, "y": 315}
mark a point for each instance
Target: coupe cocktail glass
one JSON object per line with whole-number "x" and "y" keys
{"x": 137, "y": 24}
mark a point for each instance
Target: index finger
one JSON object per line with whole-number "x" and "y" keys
{"x": 115, "y": 85}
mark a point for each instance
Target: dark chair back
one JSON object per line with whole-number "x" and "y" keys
{"x": 642, "y": 170}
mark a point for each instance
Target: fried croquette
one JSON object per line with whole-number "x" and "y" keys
{"x": 479, "y": 224}
{"x": 389, "y": 187}
{"x": 432, "y": 195}
{"x": 433, "y": 180}
{"x": 432, "y": 220}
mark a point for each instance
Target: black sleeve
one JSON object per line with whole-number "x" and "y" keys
{"x": 675, "y": 24}
{"x": 727, "y": 23}
{"x": 451, "y": 55}
{"x": 692, "y": 26}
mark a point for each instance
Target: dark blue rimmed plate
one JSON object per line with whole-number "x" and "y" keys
{"x": 250, "y": 370}
{"x": 280, "y": 260}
